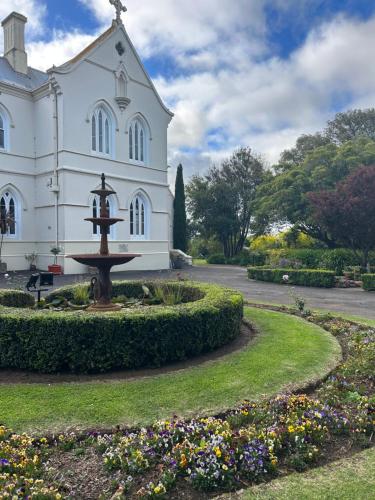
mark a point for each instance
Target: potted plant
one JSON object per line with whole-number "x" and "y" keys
{"x": 31, "y": 259}
{"x": 6, "y": 221}
{"x": 55, "y": 268}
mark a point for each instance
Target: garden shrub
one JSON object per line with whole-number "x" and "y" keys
{"x": 217, "y": 258}
{"x": 244, "y": 258}
{"x": 84, "y": 342}
{"x": 16, "y": 298}
{"x": 368, "y": 282}
{"x": 303, "y": 277}
{"x": 338, "y": 259}
{"x": 298, "y": 257}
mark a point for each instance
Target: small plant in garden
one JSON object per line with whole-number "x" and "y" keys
{"x": 168, "y": 295}
{"x": 81, "y": 295}
{"x": 299, "y": 303}
{"x": 31, "y": 259}
{"x": 55, "y": 250}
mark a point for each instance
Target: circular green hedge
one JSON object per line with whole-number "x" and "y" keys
{"x": 82, "y": 342}
{"x": 16, "y": 298}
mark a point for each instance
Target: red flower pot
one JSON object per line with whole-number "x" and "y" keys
{"x": 55, "y": 269}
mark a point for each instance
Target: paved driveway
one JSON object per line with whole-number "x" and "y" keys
{"x": 350, "y": 301}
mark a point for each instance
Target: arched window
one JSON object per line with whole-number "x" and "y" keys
{"x": 139, "y": 217}
{"x": 2, "y": 132}
{"x": 9, "y": 219}
{"x": 137, "y": 142}
{"x": 96, "y": 213}
{"x": 101, "y": 131}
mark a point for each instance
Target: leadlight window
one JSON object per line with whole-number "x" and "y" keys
{"x": 137, "y": 142}
{"x": 8, "y": 214}
{"x": 138, "y": 217}
{"x": 101, "y": 131}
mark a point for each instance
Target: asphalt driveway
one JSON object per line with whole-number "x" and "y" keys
{"x": 351, "y": 301}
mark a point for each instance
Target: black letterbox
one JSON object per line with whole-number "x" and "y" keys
{"x": 46, "y": 279}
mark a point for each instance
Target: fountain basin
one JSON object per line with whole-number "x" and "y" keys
{"x": 104, "y": 221}
{"x": 97, "y": 260}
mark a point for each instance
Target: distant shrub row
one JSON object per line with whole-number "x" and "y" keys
{"x": 336, "y": 260}
{"x": 303, "y": 277}
{"x": 245, "y": 258}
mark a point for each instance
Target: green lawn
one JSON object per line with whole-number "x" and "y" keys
{"x": 348, "y": 479}
{"x": 287, "y": 352}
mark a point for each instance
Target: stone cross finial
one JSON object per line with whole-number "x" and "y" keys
{"x": 119, "y": 8}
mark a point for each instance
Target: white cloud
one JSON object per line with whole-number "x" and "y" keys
{"x": 267, "y": 104}
{"x": 62, "y": 47}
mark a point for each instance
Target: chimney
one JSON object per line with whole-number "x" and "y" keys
{"x": 14, "y": 41}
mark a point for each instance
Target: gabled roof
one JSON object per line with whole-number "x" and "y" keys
{"x": 81, "y": 55}
{"x": 70, "y": 65}
{"x": 33, "y": 80}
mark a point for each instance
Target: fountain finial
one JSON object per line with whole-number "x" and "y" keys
{"x": 103, "y": 181}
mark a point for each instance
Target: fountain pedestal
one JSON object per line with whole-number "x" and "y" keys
{"x": 104, "y": 261}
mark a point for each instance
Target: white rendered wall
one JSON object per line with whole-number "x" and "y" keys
{"x": 31, "y": 161}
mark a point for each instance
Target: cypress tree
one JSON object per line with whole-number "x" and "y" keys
{"x": 179, "y": 209}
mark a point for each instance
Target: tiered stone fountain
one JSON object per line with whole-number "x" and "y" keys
{"x": 103, "y": 260}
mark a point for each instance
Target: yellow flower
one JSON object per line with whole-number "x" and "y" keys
{"x": 217, "y": 451}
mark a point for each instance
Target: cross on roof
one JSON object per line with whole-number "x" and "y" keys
{"x": 119, "y": 8}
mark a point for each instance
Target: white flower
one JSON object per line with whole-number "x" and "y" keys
{"x": 6, "y": 275}
{"x": 285, "y": 278}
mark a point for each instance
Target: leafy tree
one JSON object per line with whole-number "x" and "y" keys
{"x": 351, "y": 124}
{"x": 283, "y": 199}
{"x": 223, "y": 201}
{"x": 305, "y": 144}
{"x": 179, "y": 210}
{"x": 348, "y": 212}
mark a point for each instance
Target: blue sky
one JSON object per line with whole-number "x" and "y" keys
{"x": 247, "y": 72}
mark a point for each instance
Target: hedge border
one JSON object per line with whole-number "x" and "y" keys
{"x": 302, "y": 277}
{"x": 16, "y": 298}
{"x": 368, "y": 282}
{"x": 83, "y": 342}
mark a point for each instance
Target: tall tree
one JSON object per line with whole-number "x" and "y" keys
{"x": 283, "y": 199}
{"x": 179, "y": 213}
{"x": 351, "y": 124}
{"x": 223, "y": 201}
{"x": 348, "y": 212}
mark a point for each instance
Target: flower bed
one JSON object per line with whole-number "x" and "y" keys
{"x": 250, "y": 444}
{"x": 83, "y": 342}
{"x": 302, "y": 277}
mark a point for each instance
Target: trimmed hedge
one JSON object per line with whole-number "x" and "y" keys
{"x": 368, "y": 282}
{"x": 244, "y": 258}
{"x": 303, "y": 277}
{"x": 83, "y": 342}
{"x": 16, "y": 298}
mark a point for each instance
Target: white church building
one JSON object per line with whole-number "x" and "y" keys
{"x": 59, "y": 130}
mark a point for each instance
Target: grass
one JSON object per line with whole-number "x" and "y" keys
{"x": 199, "y": 262}
{"x": 347, "y": 479}
{"x": 288, "y": 352}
